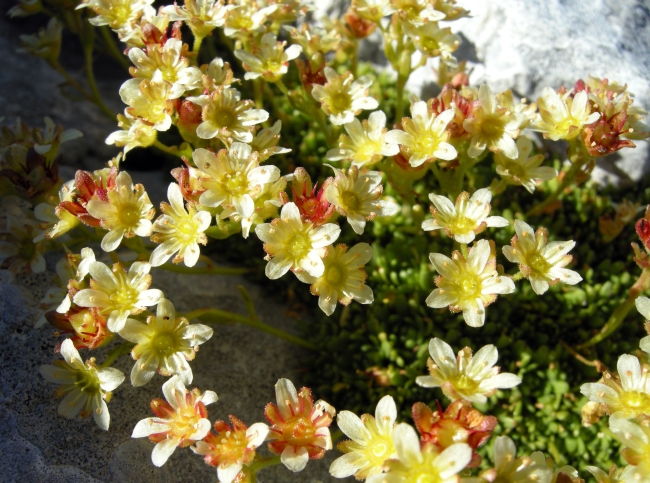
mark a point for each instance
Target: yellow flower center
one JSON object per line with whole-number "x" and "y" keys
{"x": 129, "y": 215}
{"x": 378, "y": 450}
{"x": 299, "y": 246}
{"x": 429, "y": 44}
{"x": 465, "y": 383}
{"x": 469, "y": 286}
{"x": 157, "y": 110}
{"x": 299, "y": 431}
{"x": 237, "y": 183}
{"x": 231, "y": 447}
{"x": 516, "y": 170}
{"x": 165, "y": 343}
{"x": 186, "y": 229}
{"x": 125, "y": 297}
{"x": 87, "y": 382}
{"x": 424, "y": 472}
{"x": 635, "y": 401}
{"x": 335, "y": 275}
{"x": 224, "y": 118}
{"x": 340, "y": 102}
{"x": 120, "y": 13}
{"x": 462, "y": 225}
{"x": 184, "y": 422}
{"x": 538, "y": 264}
{"x": 493, "y": 127}
{"x": 426, "y": 143}
{"x": 351, "y": 201}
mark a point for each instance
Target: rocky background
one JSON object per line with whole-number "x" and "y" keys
{"x": 523, "y": 45}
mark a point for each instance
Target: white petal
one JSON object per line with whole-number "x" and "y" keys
{"x": 407, "y": 445}
{"x": 346, "y": 465}
{"x": 147, "y": 427}
{"x": 163, "y": 450}
{"x": 352, "y": 427}
{"x": 452, "y": 460}
{"x": 101, "y": 415}
{"x": 286, "y": 395}
{"x": 256, "y": 435}
{"x": 295, "y": 460}
{"x": 227, "y": 474}
{"x": 386, "y": 415}
{"x": 504, "y": 380}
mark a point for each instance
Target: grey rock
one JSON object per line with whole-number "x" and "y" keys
{"x": 239, "y": 363}
{"x": 526, "y": 46}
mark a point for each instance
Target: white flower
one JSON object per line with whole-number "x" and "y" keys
{"x": 415, "y": 463}
{"x": 636, "y": 439}
{"x": 367, "y": 143}
{"x": 232, "y": 447}
{"x": 510, "y": 469}
{"x": 291, "y": 244}
{"x": 164, "y": 344}
{"x": 269, "y": 61}
{"x": 357, "y": 197}
{"x": 425, "y": 136}
{"x": 265, "y": 142}
{"x": 434, "y": 41}
{"x": 468, "y": 218}
{"x": 541, "y": 263}
{"x": 417, "y": 12}
{"x": 343, "y": 278}
{"x": 118, "y": 294}
{"x": 465, "y": 377}
{"x": 628, "y": 397}
{"x": 524, "y": 169}
{"x": 235, "y": 179}
{"x": 247, "y": 18}
{"x": 202, "y": 16}
{"x": 178, "y": 230}
{"x": 629, "y": 474}
{"x": 342, "y": 98}
{"x": 226, "y": 116}
{"x": 117, "y": 14}
{"x": 149, "y": 100}
{"x": 562, "y": 117}
{"x": 85, "y": 386}
{"x": 492, "y": 126}
{"x": 169, "y": 61}
{"x": 134, "y": 133}
{"x": 643, "y": 306}
{"x": 371, "y": 441}
{"x": 468, "y": 284}
{"x": 127, "y": 212}
{"x": 181, "y": 420}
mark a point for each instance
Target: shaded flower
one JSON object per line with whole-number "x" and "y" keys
{"x": 87, "y": 186}
{"x": 127, "y": 212}
{"x": 18, "y": 251}
{"x": 291, "y": 244}
{"x": 366, "y": 143}
{"x": 643, "y": 306}
{"x": 343, "y": 278}
{"x": 265, "y": 142}
{"x": 357, "y": 197}
{"x": 299, "y": 428}
{"x": 626, "y": 396}
{"x": 636, "y": 439}
{"x": 541, "y": 263}
{"x": 270, "y": 60}
{"x": 164, "y": 344}
{"x": 468, "y": 284}
{"x": 85, "y": 387}
{"x": 117, "y": 293}
{"x": 434, "y": 41}
{"x": 370, "y": 444}
{"x": 150, "y": 100}
{"x": 615, "y": 475}
{"x": 342, "y": 97}
{"x": 510, "y": 469}
{"x": 246, "y": 19}
{"x": 465, "y": 377}
{"x": 232, "y": 447}
{"x": 466, "y": 219}
{"x": 179, "y": 422}
{"x": 524, "y": 170}
{"x": 424, "y": 136}
{"x": 179, "y": 230}
{"x": 46, "y": 43}
{"x": 421, "y": 463}
{"x": 116, "y": 13}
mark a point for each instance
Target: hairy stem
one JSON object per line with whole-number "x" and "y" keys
{"x": 112, "y": 47}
